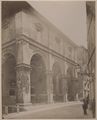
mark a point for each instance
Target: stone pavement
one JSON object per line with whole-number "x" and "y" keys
{"x": 58, "y": 110}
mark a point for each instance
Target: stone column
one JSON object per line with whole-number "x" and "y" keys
{"x": 65, "y": 90}
{"x": 49, "y": 87}
{"x": 66, "y": 98}
{"x": 77, "y": 97}
{"x": 23, "y": 83}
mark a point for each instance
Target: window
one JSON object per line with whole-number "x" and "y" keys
{"x": 32, "y": 90}
{"x": 12, "y": 92}
{"x": 13, "y": 83}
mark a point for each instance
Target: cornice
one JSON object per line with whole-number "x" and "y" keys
{"x": 44, "y": 48}
{"x": 9, "y": 43}
{"x": 24, "y": 38}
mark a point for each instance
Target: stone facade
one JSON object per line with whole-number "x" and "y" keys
{"x": 41, "y": 59}
{"x": 82, "y": 58}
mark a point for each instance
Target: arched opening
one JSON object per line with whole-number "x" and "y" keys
{"x": 38, "y": 80}
{"x": 57, "y": 83}
{"x": 9, "y": 80}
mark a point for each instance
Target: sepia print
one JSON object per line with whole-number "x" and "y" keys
{"x": 45, "y": 74}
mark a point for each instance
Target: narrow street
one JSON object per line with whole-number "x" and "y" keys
{"x": 58, "y": 111}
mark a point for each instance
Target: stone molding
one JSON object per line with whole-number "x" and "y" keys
{"x": 23, "y": 66}
{"x": 21, "y": 41}
{"x": 46, "y": 49}
{"x": 26, "y": 39}
{"x": 8, "y": 44}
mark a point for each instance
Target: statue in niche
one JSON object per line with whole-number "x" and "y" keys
{"x": 39, "y": 28}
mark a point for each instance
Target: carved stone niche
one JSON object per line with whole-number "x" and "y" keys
{"x": 38, "y": 27}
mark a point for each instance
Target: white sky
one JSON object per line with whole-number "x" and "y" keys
{"x": 69, "y": 17}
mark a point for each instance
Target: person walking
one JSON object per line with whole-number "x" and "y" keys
{"x": 93, "y": 107}
{"x": 85, "y": 106}
{"x": 87, "y": 98}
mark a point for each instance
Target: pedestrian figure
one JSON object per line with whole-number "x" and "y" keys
{"x": 85, "y": 106}
{"x": 87, "y": 99}
{"x": 93, "y": 107}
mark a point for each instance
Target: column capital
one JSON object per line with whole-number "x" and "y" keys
{"x": 21, "y": 39}
{"x": 49, "y": 72}
{"x": 23, "y": 66}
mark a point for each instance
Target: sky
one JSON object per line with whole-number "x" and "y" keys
{"x": 68, "y": 16}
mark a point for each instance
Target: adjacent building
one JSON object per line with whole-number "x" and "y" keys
{"x": 91, "y": 65}
{"x": 82, "y": 58}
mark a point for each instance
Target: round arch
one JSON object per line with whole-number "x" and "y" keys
{"x": 57, "y": 82}
{"x": 44, "y": 57}
{"x": 9, "y": 79}
{"x": 6, "y": 54}
{"x": 38, "y": 79}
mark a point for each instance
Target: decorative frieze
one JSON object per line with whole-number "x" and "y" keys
{"x": 23, "y": 82}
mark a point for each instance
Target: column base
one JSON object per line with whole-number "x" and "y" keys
{"x": 24, "y": 106}
{"x": 65, "y": 98}
{"x": 50, "y": 99}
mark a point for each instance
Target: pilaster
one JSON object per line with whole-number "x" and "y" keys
{"x": 19, "y": 51}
